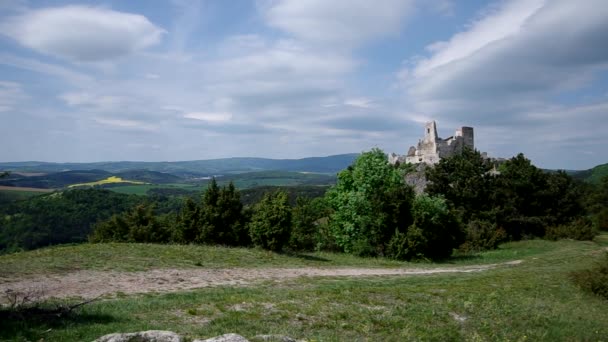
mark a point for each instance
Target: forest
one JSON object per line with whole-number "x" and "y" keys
{"x": 470, "y": 204}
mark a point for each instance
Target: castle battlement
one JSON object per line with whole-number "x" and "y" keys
{"x": 432, "y": 148}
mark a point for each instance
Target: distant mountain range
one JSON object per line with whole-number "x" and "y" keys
{"x": 330, "y": 164}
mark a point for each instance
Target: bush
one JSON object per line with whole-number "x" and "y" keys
{"x": 482, "y": 235}
{"x": 579, "y": 229}
{"x": 594, "y": 280}
{"x": 439, "y": 232}
{"x": 407, "y": 246}
{"x": 270, "y": 225}
{"x": 601, "y": 220}
{"x": 304, "y": 227}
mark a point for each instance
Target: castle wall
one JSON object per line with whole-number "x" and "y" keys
{"x": 431, "y": 148}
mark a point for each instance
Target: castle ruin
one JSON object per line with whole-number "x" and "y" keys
{"x": 432, "y": 148}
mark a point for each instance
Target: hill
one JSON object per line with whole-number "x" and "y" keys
{"x": 330, "y": 164}
{"x": 593, "y": 175}
{"x": 55, "y": 180}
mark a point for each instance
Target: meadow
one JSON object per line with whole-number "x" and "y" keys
{"x": 534, "y": 300}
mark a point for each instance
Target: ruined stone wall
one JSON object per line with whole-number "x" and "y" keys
{"x": 432, "y": 148}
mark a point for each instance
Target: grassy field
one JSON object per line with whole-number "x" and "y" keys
{"x": 109, "y": 180}
{"x": 533, "y": 301}
{"x": 142, "y": 189}
{"x": 11, "y": 193}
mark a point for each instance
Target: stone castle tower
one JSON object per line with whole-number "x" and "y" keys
{"x": 432, "y": 148}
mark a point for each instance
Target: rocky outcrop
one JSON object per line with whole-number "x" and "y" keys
{"x": 417, "y": 178}
{"x": 143, "y": 336}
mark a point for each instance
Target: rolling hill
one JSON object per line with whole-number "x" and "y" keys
{"x": 187, "y": 169}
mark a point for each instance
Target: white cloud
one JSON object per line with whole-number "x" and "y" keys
{"x": 209, "y": 116}
{"x": 126, "y": 124}
{"x": 45, "y": 68}
{"x": 508, "y": 71}
{"x": 504, "y": 22}
{"x": 11, "y": 94}
{"x": 99, "y": 102}
{"x": 360, "y": 102}
{"x": 341, "y": 22}
{"x": 80, "y": 33}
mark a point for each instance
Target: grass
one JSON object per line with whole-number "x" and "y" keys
{"x": 109, "y": 180}
{"x": 533, "y": 301}
{"x": 142, "y": 189}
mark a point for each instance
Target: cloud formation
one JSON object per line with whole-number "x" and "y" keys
{"x": 81, "y": 33}
{"x": 337, "y": 22}
{"x": 504, "y": 72}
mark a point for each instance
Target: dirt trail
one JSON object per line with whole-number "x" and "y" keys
{"x": 91, "y": 284}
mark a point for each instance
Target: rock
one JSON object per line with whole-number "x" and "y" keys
{"x": 225, "y": 338}
{"x": 273, "y": 338}
{"x": 142, "y": 336}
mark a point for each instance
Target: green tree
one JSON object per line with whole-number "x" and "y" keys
{"x": 188, "y": 225}
{"x": 370, "y": 201}
{"x": 304, "y": 230}
{"x": 465, "y": 181}
{"x": 222, "y": 216}
{"x": 270, "y": 225}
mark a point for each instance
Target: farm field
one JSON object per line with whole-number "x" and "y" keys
{"x": 109, "y": 180}
{"x": 527, "y": 296}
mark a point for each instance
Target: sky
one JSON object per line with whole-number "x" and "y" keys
{"x": 84, "y": 81}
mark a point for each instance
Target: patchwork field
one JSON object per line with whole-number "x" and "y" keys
{"x": 109, "y": 180}
{"x": 519, "y": 292}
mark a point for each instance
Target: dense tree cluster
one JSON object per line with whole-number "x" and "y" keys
{"x": 508, "y": 200}
{"x": 55, "y": 218}
{"x": 471, "y": 203}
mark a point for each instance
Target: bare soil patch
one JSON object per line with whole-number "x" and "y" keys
{"x": 91, "y": 284}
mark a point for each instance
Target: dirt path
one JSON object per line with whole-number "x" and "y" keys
{"x": 91, "y": 284}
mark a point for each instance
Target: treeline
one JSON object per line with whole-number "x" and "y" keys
{"x": 66, "y": 217}
{"x": 471, "y": 203}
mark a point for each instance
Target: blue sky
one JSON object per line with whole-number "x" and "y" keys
{"x": 183, "y": 80}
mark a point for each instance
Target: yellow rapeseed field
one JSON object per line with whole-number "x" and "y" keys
{"x": 109, "y": 180}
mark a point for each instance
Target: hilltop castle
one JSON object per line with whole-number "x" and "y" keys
{"x": 432, "y": 148}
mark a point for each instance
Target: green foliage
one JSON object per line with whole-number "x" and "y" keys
{"x": 465, "y": 181}
{"x": 270, "y": 225}
{"x": 63, "y": 217}
{"x": 597, "y": 203}
{"x": 594, "y": 280}
{"x": 601, "y": 219}
{"x": 482, "y": 235}
{"x": 521, "y": 198}
{"x": 188, "y": 223}
{"x": 579, "y": 229}
{"x": 439, "y": 228}
{"x": 137, "y": 225}
{"x": 222, "y": 217}
{"x": 370, "y": 201}
{"x": 304, "y": 227}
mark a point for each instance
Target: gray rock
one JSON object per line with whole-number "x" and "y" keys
{"x": 225, "y": 338}
{"x": 273, "y": 338}
{"x": 142, "y": 336}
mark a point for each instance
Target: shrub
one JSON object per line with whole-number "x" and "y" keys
{"x": 270, "y": 224}
{"x": 304, "y": 230}
{"x": 579, "y": 229}
{"x": 482, "y": 235}
{"x": 439, "y": 231}
{"x": 594, "y": 280}
{"x": 601, "y": 220}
